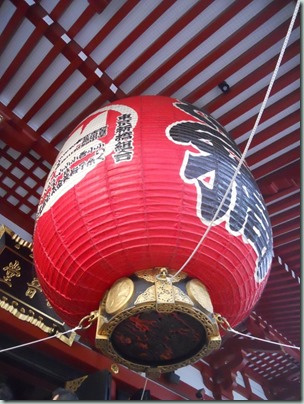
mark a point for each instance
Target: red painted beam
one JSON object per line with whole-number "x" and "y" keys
{"x": 278, "y": 193}
{"x": 291, "y": 171}
{"x": 278, "y": 274}
{"x": 97, "y": 103}
{"x": 276, "y": 316}
{"x": 160, "y": 42}
{"x": 277, "y": 127}
{"x": 289, "y": 251}
{"x": 59, "y": 9}
{"x": 281, "y": 274}
{"x": 292, "y": 156}
{"x": 237, "y": 64}
{"x": 227, "y": 44}
{"x": 30, "y": 139}
{"x": 294, "y": 224}
{"x": 16, "y": 216}
{"x": 292, "y": 247}
{"x": 71, "y": 50}
{"x": 12, "y": 25}
{"x": 294, "y": 263}
{"x": 136, "y": 33}
{"x": 75, "y": 96}
{"x": 274, "y": 186}
{"x": 110, "y": 25}
{"x": 13, "y": 212}
{"x": 283, "y": 265}
{"x": 280, "y": 338}
{"x": 281, "y": 282}
{"x": 22, "y": 54}
{"x": 21, "y": 182}
{"x": 292, "y": 286}
{"x": 280, "y": 298}
{"x": 76, "y": 64}
{"x": 89, "y": 360}
{"x": 271, "y": 111}
{"x": 37, "y": 72}
{"x": 257, "y": 99}
{"x": 277, "y": 266}
{"x": 292, "y": 213}
{"x": 281, "y": 294}
{"x": 287, "y": 238}
{"x": 295, "y": 268}
{"x": 281, "y": 321}
{"x": 274, "y": 147}
{"x": 55, "y": 86}
{"x": 261, "y": 72}
{"x": 99, "y": 5}
{"x": 50, "y": 57}
{"x": 290, "y": 323}
{"x": 286, "y": 203}
{"x": 282, "y": 308}
{"x": 83, "y": 19}
{"x": 31, "y": 42}
{"x": 260, "y": 380}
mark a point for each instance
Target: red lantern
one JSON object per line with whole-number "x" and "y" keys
{"x": 135, "y": 187}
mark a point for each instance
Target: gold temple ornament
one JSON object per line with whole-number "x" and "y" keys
{"x": 20, "y": 290}
{"x": 33, "y": 288}
{"x": 12, "y": 270}
{"x": 154, "y": 322}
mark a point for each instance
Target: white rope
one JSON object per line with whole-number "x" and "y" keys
{"x": 261, "y": 339}
{"x": 144, "y": 389}
{"x": 275, "y": 72}
{"x": 40, "y": 340}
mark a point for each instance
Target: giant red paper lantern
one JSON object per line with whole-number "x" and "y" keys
{"x": 135, "y": 187}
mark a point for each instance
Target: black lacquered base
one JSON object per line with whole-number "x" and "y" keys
{"x": 158, "y": 339}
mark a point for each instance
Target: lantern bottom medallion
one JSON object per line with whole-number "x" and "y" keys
{"x": 156, "y": 322}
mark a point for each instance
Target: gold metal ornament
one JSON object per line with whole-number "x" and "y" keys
{"x": 154, "y": 322}
{"x": 114, "y": 368}
{"x": 198, "y": 293}
{"x": 119, "y": 295}
{"x": 20, "y": 291}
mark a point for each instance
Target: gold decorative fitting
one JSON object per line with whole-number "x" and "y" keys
{"x": 119, "y": 295}
{"x": 154, "y": 322}
{"x": 73, "y": 385}
{"x": 12, "y": 270}
{"x": 198, "y": 293}
{"x": 223, "y": 322}
{"x": 164, "y": 292}
{"x": 87, "y": 321}
{"x": 114, "y": 368}
{"x": 20, "y": 290}
{"x": 150, "y": 274}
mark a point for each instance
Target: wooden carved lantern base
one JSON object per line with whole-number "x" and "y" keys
{"x": 155, "y": 322}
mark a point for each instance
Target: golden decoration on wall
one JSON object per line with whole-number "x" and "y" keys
{"x": 20, "y": 290}
{"x": 12, "y": 270}
{"x": 33, "y": 287}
